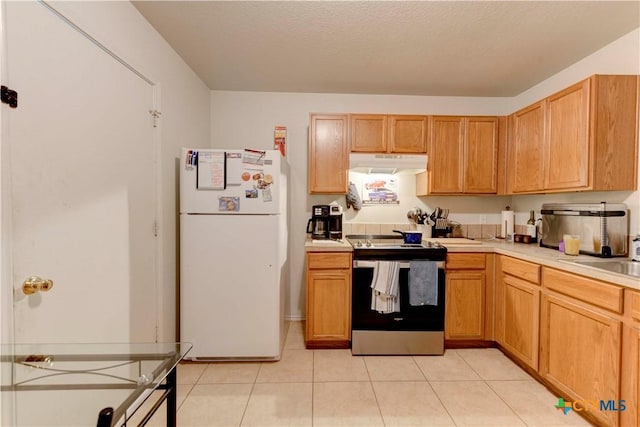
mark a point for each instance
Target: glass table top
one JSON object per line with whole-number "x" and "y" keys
{"x": 69, "y": 384}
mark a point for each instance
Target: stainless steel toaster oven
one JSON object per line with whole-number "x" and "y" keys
{"x": 603, "y": 227}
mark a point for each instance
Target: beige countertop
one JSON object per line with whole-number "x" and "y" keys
{"x": 327, "y": 246}
{"x": 528, "y": 252}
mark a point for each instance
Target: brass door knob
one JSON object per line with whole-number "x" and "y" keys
{"x": 35, "y": 284}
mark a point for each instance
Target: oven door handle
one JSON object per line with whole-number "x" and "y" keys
{"x": 372, "y": 264}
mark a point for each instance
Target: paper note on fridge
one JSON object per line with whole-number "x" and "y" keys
{"x": 234, "y": 168}
{"x": 211, "y": 170}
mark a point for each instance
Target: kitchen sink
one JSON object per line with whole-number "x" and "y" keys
{"x": 630, "y": 268}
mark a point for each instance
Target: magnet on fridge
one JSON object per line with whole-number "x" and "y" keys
{"x": 229, "y": 204}
{"x": 266, "y": 195}
{"x": 188, "y": 165}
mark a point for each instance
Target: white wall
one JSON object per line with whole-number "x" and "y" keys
{"x": 247, "y": 119}
{"x": 183, "y": 101}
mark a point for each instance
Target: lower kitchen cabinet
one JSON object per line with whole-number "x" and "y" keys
{"x": 328, "y": 323}
{"x": 467, "y": 314}
{"x": 518, "y": 308}
{"x": 630, "y": 386}
{"x": 581, "y": 342}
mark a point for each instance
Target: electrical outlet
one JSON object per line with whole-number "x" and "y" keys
{"x": 483, "y": 219}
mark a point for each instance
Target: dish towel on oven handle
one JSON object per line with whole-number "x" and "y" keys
{"x": 385, "y": 297}
{"x": 423, "y": 283}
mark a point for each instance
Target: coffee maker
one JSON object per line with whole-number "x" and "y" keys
{"x": 319, "y": 224}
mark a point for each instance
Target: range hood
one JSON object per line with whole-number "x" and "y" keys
{"x": 387, "y": 163}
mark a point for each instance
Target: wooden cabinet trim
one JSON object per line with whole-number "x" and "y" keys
{"x": 614, "y": 124}
{"x": 329, "y": 305}
{"x": 522, "y": 269}
{"x": 446, "y": 154}
{"x": 600, "y": 294}
{"x": 560, "y": 348}
{"x": 635, "y": 305}
{"x": 411, "y": 139}
{"x": 521, "y": 336}
{"x": 568, "y": 146}
{"x": 480, "y": 160}
{"x": 466, "y": 261}
{"x": 630, "y": 376}
{"x": 525, "y": 149}
{"x": 465, "y": 302}
{"x": 328, "y": 260}
{"x": 328, "y": 300}
{"x": 583, "y": 137}
{"x": 368, "y": 133}
{"x": 328, "y": 156}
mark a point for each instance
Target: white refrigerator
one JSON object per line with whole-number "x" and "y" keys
{"x": 233, "y": 253}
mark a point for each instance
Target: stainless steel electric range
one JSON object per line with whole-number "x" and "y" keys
{"x": 409, "y": 330}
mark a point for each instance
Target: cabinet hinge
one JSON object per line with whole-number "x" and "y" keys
{"x": 156, "y": 115}
{"x": 156, "y": 228}
{"x": 9, "y": 96}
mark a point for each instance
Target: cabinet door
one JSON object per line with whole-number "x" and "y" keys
{"x": 464, "y": 305}
{"x": 328, "y": 155}
{"x": 408, "y": 134}
{"x": 580, "y": 353}
{"x": 525, "y": 161}
{"x": 520, "y": 319}
{"x": 368, "y": 133}
{"x": 567, "y": 139}
{"x": 329, "y": 306}
{"x": 446, "y": 136}
{"x": 630, "y": 378}
{"x": 481, "y": 155}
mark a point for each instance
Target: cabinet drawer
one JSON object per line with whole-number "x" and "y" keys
{"x": 465, "y": 261}
{"x": 595, "y": 292}
{"x": 522, "y": 269}
{"x": 333, "y": 260}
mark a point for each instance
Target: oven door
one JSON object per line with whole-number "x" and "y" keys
{"x": 410, "y": 318}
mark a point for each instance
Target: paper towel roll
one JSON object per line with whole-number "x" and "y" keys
{"x": 507, "y": 225}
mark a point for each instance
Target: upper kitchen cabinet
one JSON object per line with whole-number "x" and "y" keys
{"x": 525, "y": 161}
{"x": 368, "y": 133}
{"x": 408, "y": 134}
{"x": 377, "y": 133}
{"x": 463, "y": 156}
{"x": 328, "y": 154}
{"x": 581, "y": 138}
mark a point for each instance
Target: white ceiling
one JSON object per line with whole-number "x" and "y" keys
{"x": 448, "y": 48}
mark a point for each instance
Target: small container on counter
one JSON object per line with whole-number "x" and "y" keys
{"x": 524, "y": 238}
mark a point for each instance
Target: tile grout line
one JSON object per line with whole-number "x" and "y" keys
{"x": 491, "y": 388}
{"x": 253, "y": 386}
{"x": 436, "y": 394}
{"x": 313, "y": 383}
{"x": 179, "y": 406}
{"x": 506, "y": 403}
{"x": 375, "y": 396}
{"x": 255, "y": 380}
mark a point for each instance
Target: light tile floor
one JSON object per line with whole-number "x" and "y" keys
{"x": 471, "y": 387}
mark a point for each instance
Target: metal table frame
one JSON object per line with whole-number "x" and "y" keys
{"x": 163, "y": 377}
